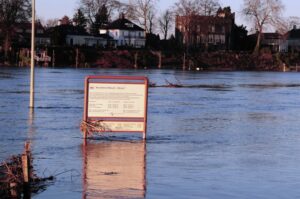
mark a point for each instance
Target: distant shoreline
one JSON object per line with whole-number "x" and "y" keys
{"x": 149, "y": 59}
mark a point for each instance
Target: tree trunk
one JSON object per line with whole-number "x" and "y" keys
{"x": 145, "y": 22}
{"x": 256, "y": 49}
{"x": 7, "y": 44}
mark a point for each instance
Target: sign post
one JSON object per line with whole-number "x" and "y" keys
{"x": 31, "y": 103}
{"x": 117, "y": 103}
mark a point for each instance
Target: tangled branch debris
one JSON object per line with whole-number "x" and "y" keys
{"x": 12, "y": 181}
{"x": 93, "y": 127}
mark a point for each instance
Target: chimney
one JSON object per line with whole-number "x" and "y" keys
{"x": 295, "y": 27}
{"x": 122, "y": 16}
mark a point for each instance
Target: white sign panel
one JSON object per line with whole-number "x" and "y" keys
{"x": 116, "y": 100}
{"x": 117, "y": 103}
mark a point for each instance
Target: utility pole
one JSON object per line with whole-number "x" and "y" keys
{"x": 31, "y": 105}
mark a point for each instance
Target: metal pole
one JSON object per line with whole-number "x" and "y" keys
{"x": 32, "y": 56}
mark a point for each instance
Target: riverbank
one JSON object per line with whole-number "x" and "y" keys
{"x": 143, "y": 58}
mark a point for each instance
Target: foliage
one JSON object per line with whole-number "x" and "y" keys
{"x": 91, "y": 8}
{"x": 101, "y": 19}
{"x": 239, "y": 37}
{"x": 11, "y": 13}
{"x": 79, "y": 19}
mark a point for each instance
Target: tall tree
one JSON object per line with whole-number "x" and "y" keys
{"x": 186, "y": 10}
{"x": 52, "y": 23}
{"x": 11, "y": 13}
{"x": 143, "y": 12}
{"x": 151, "y": 20}
{"x": 198, "y": 7}
{"x": 208, "y": 7}
{"x": 65, "y": 20}
{"x": 101, "y": 19}
{"x": 288, "y": 24}
{"x": 263, "y": 13}
{"x": 91, "y": 8}
{"x": 79, "y": 19}
{"x": 165, "y": 23}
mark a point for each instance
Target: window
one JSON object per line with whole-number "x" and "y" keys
{"x": 130, "y": 25}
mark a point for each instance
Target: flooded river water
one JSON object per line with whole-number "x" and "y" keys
{"x": 226, "y": 135}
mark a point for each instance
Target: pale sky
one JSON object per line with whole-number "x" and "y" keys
{"x": 49, "y": 9}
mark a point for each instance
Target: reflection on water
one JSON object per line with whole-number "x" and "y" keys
{"x": 114, "y": 169}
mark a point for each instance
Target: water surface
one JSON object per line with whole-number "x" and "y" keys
{"x": 224, "y": 135}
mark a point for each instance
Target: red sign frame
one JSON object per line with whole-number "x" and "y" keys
{"x": 114, "y": 80}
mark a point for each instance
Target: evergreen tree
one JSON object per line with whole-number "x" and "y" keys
{"x": 12, "y": 12}
{"x": 79, "y": 19}
{"x": 101, "y": 19}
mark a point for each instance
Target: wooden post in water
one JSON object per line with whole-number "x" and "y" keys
{"x": 184, "y": 61}
{"x": 159, "y": 60}
{"x": 135, "y": 60}
{"x": 53, "y": 58}
{"x": 25, "y": 168}
{"x": 77, "y": 57}
{"x": 13, "y": 190}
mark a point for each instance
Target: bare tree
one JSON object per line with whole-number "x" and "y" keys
{"x": 287, "y": 24}
{"x": 263, "y": 13}
{"x": 11, "y": 13}
{"x": 51, "y": 23}
{"x": 165, "y": 23}
{"x": 208, "y": 7}
{"x": 91, "y": 8}
{"x": 198, "y": 7}
{"x": 143, "y": 12}
{"x": 187, "y": 7}
{"x": 293, "y": 21}
{"x": 185, "y": 11}
{"x": 151, "y": 20}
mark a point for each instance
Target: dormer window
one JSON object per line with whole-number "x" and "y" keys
{"x": 129, "y": 25}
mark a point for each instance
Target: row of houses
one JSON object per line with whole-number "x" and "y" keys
{"x": 219, "y": 33}
{"x": 277, "y": 42}
{"x": 120, "y": 32}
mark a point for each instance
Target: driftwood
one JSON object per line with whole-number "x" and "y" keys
{"x": 17, "y": 177}
{"x": 92, "y": 127}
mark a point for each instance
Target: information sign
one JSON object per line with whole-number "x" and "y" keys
{"x": 118, "y": 103}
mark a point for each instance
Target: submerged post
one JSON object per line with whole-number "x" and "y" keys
{"x": 31, "y": 105}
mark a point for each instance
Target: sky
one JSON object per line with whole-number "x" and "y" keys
{"x": 50, "y": 9}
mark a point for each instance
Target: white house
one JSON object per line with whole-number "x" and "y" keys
{"x": 125, "y": 33}
{"x": 85, "y": 40}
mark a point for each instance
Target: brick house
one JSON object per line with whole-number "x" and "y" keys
{"x": 206, "y": 32}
